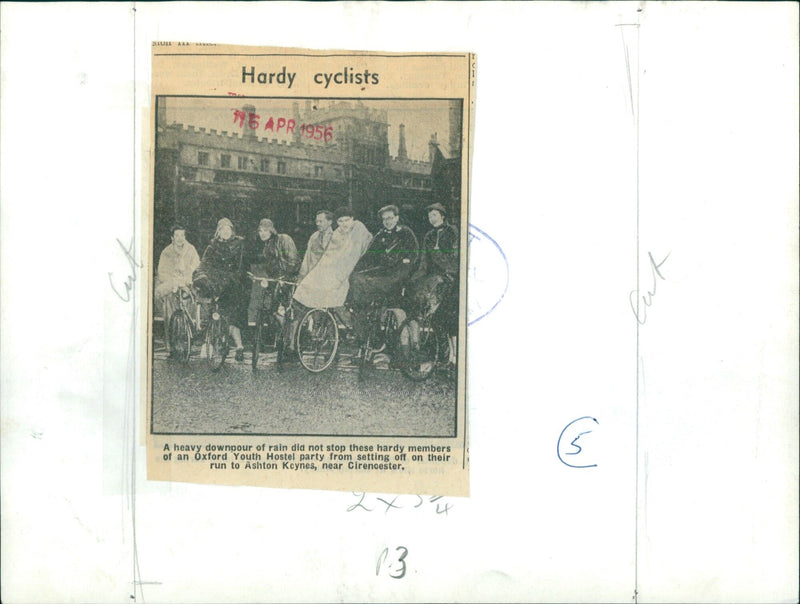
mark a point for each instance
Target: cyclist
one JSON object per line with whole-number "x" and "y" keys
{"x": 175, "y": 267}
{"x": 317, "y": 243}
{"x": 435, "y": 285}
{"x": 384, "y": 268}
{"x": 277, "y": 259}
{"x": 326, "y": 284}
{"x": 221, "y": 274}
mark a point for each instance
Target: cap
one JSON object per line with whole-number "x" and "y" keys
{"x": 389, "y": 208}
{"x": 436, "y": 206}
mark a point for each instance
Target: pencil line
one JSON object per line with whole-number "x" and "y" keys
{"x": 636, "y": 530}
{"x": 131, "y": 373}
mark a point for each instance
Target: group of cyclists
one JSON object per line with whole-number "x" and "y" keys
{"x": 344, "y": 268}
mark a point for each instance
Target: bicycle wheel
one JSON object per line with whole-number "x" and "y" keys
{"x": 258, "y": 336}
{"x": 418, "y": 349}
{"x": 180, "y": 336}
{"x": 217, "y": 342}
{"x": 317, "y": 340}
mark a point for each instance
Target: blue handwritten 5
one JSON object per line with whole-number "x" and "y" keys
{"x": 578, "y": 447}
{"x": 569, "y": 429}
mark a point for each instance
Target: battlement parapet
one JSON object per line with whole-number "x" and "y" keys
{"x": 212, "y": 140}
{"x": 409, "y": 165}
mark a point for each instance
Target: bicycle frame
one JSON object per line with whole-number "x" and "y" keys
{"x": 184, "y": 294}
{"x": 422, "y": 345}
{"x": 381, "y": 329}
{"x": 181, "y": 327}
{"x": 216, "y": 336}
{"x": 268, "y": 315}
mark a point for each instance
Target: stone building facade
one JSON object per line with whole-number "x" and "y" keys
{"x": 202, "y": 175}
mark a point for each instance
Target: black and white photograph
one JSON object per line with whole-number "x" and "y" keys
{"x": 306, "y": 266}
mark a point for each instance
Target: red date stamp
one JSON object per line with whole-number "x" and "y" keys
{"x": 317, "y": 132}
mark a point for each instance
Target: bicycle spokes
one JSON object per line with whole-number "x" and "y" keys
{"x": 317, "y": 340}
{"x": 418, "y": 349}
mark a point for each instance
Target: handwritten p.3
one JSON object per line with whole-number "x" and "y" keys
{"x": 395, "y": 565}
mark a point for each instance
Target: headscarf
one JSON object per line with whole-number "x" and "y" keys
{"x": 222, "y": 222}
{"x": 268, "y": 224}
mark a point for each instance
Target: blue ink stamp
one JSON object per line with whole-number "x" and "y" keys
{"x": 487, "y": 275}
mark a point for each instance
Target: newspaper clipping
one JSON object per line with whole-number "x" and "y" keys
{"x": 306, "y": 323}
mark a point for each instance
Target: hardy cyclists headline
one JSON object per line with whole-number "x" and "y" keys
{"x": 283, "y": 78}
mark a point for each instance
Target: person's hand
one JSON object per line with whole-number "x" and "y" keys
{"x": 202, "y": 287}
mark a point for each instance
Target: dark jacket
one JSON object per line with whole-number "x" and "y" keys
{"x": 435, "y": 285}
{"x": 278, "y": 257}
{"x": 385, "y": 267}
{"x": 440, "y": 252}
{"x": 392, "y": 254}
{"x": 221, "y": 266}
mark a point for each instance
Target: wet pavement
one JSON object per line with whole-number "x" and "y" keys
{"x": 193, "y": 398}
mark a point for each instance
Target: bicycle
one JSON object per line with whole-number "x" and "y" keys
{"x": 317, "y": 339}
{"x": 422, "y": 346}
{"x": 216, "y": 341}
{"x": 182, "y": 326}
{"x": 381, "y": 330}
{"x": 277, "y": 317}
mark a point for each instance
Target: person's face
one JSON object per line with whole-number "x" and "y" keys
{"x": 389, "y": 220}
{"x": 345, "y": 223}
{"x": 179, "y": 238}
{"x": 322, "y": 222}
{"x": 225, "y": 232}
{"x": 264, "y": 233}
{"x": 435, "y": 217}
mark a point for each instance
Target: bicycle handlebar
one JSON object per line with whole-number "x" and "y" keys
{"x": 184, "y": 288}
{"x": 195, "y": 295}
{"x": 269, "y": 279}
